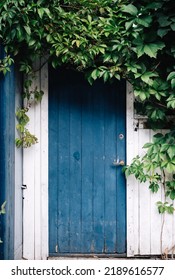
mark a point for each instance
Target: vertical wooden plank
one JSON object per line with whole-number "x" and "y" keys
{"x": 2, "y": 162}
{"x": 167, "y": 230}
{"x": 87, "y": 172}
{"x": 167, "y": 234}
{"x": 63, "y": 166}
{"x": 29, "y": 194}
{"x": 7, "y": 161}
{"x": 145, "y": 214}
{"x": 99, "y": 160}
{"x": 9, "y": 91}
{"x": 136, "y": 197}
{"x": 132, "y": 216}
{"x": 44, "y": 163}
{"x": 167, "y": 242}
{"x": 156, "y": 224}
{"x": 53, "y": 163}
{"x": 121, "y": 153}
{"x": 156, "y": 218}
{"x": 110, "y": 171}
{"x": 75, "y": 91}
{"x": 18, "y": 219}
{"x": 37, "y": 170}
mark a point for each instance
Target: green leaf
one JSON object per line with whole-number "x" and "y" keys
{"x": 107, "y": 57}
{"x": 172, "y": 194}
{"x": 171, "y": 102}
{"x": 161, "y": 209}
{"x": 164, "y": 207}
{"x": 147, "y": 145}
{"x": 49, "y": 38}
{"x": 94, "y": 74}
{"x": 171, "y": 76}
{"x": 40, "y": 12}
{"x": 2, "y": 211}
{"x": 162, "y": 32}
{"x": 173, "y": 26}
{"x": 146, "y": 77}
{"x": 145, "y": 21}
{"x": 130, "y": 9}
{"x": 27, "y": 29}
{"x": 106, "y": 76}
{"x": 154, "y": 5}
{"x": 170, "y": 209}
{"x": 128, "y": 24}
{"x": 164, "y": 21}
{"x": 18, "y": 142}
{"x": 152, "y": 49}
{"x": 170, "y": 167}
{"x": 141, "y": 94}
{"x": 171, "y": 151}
{"x": 31, "y": 42}
{"x": 154, "y": 187}
{"x": 90, "y": 80}
{"x": 164, "y": 147}
{"x": 47, "y": 11}
{"x": 157, "y": 137}
{"x": 140, "y": 50}
{"x": 89, "y": 18}
{"x": 173, "y": 83}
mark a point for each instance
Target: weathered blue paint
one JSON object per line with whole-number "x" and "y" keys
{"x": 7, "y": 156}
{"x": 87, "y": 196}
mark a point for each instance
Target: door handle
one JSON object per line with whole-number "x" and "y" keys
{"x": 118, "y": 162}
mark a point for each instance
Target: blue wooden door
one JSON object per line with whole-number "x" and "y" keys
{"x": 87, "y": 203}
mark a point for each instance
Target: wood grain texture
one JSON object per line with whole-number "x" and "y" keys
{"x": 88, "y": 191}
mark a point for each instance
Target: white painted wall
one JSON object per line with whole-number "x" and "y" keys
{"x": 18, "y": 181}
{"x": 35, "y": 177}
{"x": 143, "y": 221}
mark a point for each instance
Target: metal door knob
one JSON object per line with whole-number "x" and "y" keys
{"x": 118, "y": 162}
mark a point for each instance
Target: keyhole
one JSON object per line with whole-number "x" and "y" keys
{"x": 121, "y": 136}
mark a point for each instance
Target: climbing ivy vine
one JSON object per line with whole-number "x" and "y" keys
{"x": 108, "y": 39}
{"x": 157, "y": 168}
{"x": 103, "y": 38}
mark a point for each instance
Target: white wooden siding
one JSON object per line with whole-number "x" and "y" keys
{"x": 143, "y": 221}
{"x": 18, "y": 182}
{"x": 35, "y": 177}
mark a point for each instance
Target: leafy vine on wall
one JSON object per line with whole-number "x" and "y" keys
{"x": 31, "y": 97}
{"x": 108, "y": 39}
{"x": 102, "y": 38}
